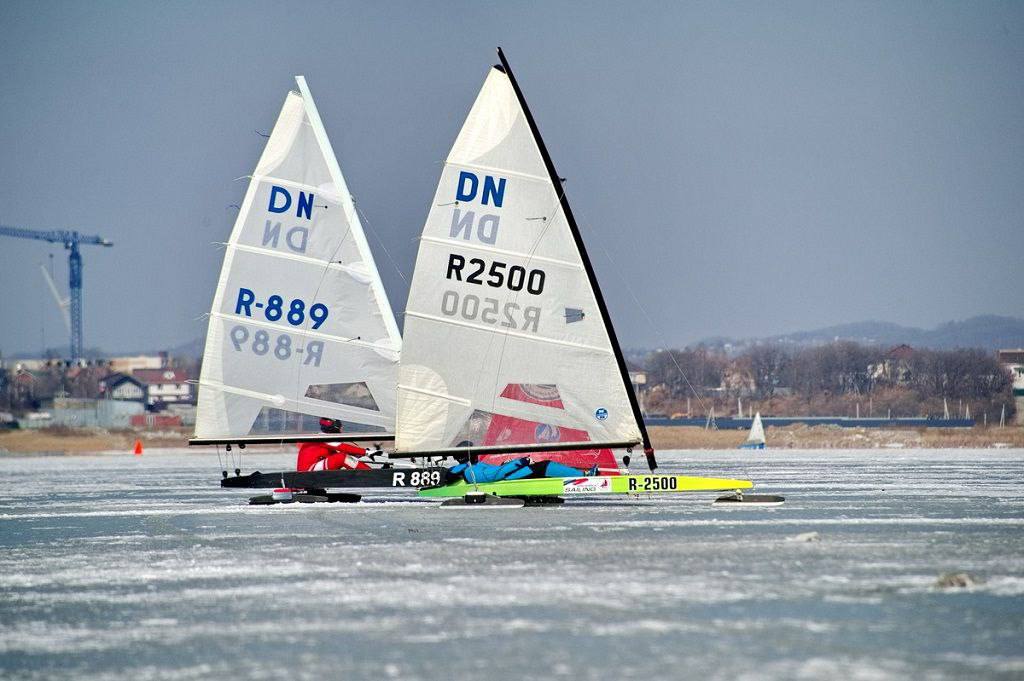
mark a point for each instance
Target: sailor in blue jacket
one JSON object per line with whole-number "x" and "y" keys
{"x": 514, "y": 469}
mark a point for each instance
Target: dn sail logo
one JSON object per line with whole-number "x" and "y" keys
{"x": 468, "y": 184}
{"x": 491, "y": 192}
{"x": 281, "y": 201}
{"x": 601, "y": 414}
{"x": 296, "y": 238}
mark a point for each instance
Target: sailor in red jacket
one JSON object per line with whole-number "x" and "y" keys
{"x": 330, "y": 456}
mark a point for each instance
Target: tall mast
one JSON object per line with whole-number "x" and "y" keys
{"x": 574, "y": 228}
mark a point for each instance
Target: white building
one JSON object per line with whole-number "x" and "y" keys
{"x": 1014, "y": 361}
{"x": 165, "y": 386}
{"x": 123, "y": 387}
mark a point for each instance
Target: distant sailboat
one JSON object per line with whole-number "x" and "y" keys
{"x": 755, "y": 440}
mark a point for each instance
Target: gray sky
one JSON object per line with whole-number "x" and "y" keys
{"x": 751, "y": 169}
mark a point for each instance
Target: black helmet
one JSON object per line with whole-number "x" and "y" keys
{"x": 463, "y": 457}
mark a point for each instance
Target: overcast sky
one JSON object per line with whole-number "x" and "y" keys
{"x": 744, "y": 169}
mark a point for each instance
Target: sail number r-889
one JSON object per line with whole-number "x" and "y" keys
{"x": 280, "y": 345}
{"x": 498, "y": 275}
{"x": 274, "y": 309}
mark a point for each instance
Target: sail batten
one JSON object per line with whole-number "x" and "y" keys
{"x": 319, "y": 264}
{"x": 534, "y": 448}
{"x": 294, "y": 184}
{"x": 300, "y": 325}
{"x": 384, "y": 347}
{"x": 528, "y": 257}
{"x": 345, "y": 412}
{"x": 433, "y": 393}
{"x": 487, "y": 329}
{"x": 505, "y": 171}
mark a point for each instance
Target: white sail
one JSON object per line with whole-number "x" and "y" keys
{"x": 300, "y": 325}
{"x": 505, "y": 343}
{"x": 756, "y": 436}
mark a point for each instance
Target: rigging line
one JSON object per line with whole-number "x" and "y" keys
{"x": 380, "y": 242}
{"x": 643, "y": 310}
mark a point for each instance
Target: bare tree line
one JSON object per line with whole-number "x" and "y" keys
{"x": 840, "y": 375}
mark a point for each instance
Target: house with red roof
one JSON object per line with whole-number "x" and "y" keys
{"x": 895, "y": 367}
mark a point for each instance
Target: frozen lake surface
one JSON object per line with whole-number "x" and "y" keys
{"x": 121, "y": 567}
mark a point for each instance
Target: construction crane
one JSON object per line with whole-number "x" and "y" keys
{"x": 71, "y": 240}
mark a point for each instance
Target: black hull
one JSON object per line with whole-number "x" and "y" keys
{"x": 378, "y": 477}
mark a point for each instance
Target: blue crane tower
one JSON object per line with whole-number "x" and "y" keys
{"x": 70, "y": 239}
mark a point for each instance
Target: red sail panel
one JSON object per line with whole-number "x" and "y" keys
{"x": 534, "y": 393}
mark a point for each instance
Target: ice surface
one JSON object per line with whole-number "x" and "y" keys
{"x": 122, "y": 567}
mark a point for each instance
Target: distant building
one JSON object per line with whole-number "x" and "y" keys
{"x": 638, "y": 379}
{"x": 1013, "y": 360}
{"x": 38, "y": 364}
{"x": 53, "y": 363}
{"x": 123, "y": 387}
{"x": 92, "y": 413}
{"x": 36, "y": 419}
{"x": 895, "y": 368}
{"x": 31, "y": 364}
{"x": 127, "y": 365}
{"x": 738, "y": 381}
{"x": 164, "y": 386}
{"x": 156, "y": 421}
{"x": 29, "y": 386}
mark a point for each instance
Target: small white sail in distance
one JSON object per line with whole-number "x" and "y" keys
{"x": 508, "y": 346}
{"x": 300, "y": 325}
{"x": 756, "y": 435}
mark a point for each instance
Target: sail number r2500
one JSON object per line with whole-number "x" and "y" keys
{"x": 498, "y": 275}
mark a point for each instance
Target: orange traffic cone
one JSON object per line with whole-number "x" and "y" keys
{"x": 138, "y": 448}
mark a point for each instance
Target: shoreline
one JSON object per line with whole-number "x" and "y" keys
{"x": 88, "y": 441}
{"x": 837, "y": 437}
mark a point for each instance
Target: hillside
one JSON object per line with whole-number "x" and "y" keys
{"x": 988, "y": 332}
